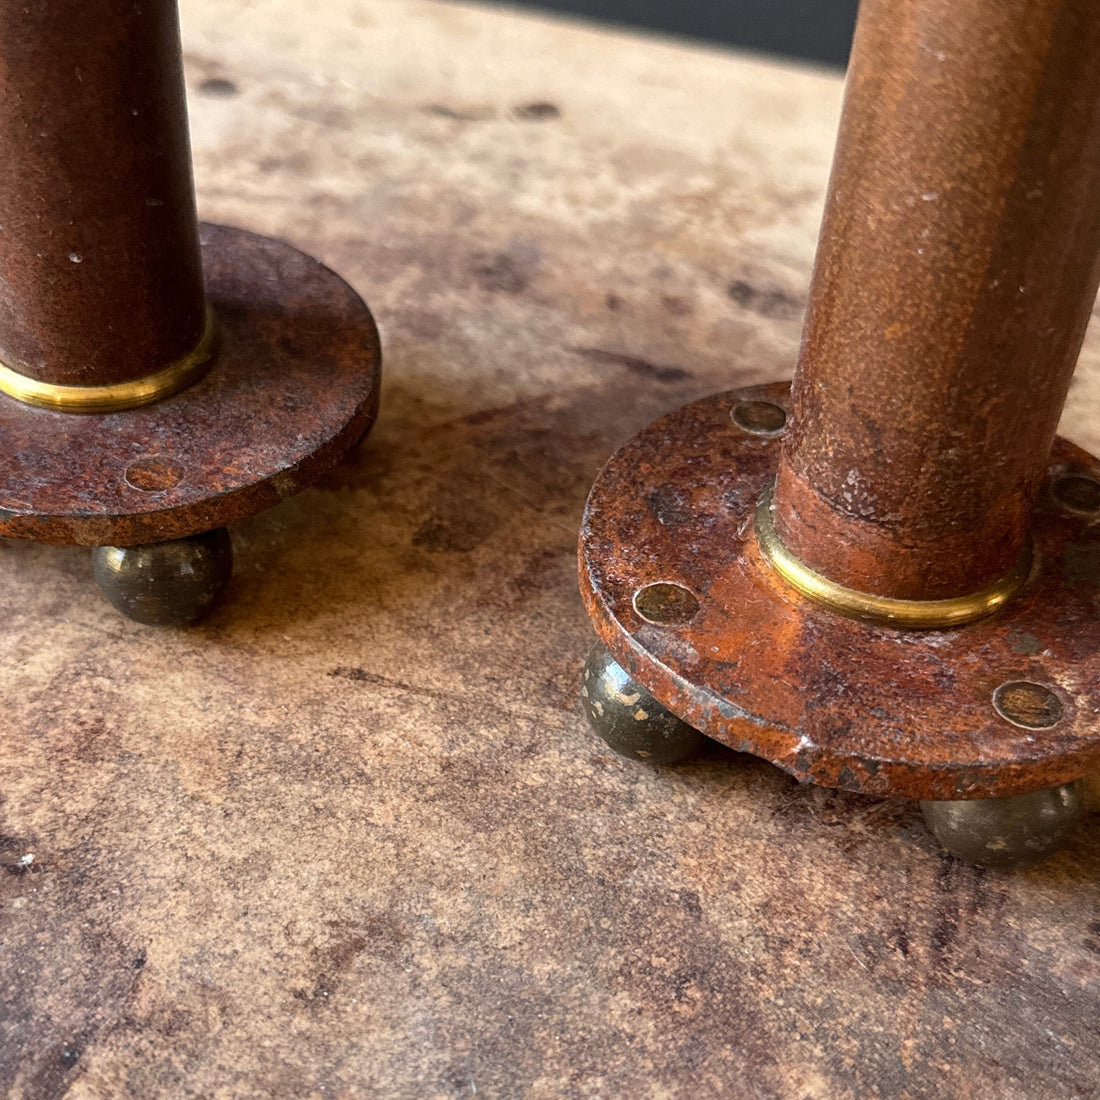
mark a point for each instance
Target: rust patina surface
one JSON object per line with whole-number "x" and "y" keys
{"x": 352, "y": 837}
{"x": 292, "y": 387}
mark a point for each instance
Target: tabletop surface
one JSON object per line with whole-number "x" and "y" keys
{"x": 351, "y": 837}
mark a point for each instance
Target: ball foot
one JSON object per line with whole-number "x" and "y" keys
{"x": 1007, "y": 833}
{"x": 629, "y": 719}
{"x": 166, "y": 583}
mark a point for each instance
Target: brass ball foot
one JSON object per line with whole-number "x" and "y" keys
{"x": 1007, "y": 833}
{"x": 166, "y": 583}
{"x": 629, "y": 719}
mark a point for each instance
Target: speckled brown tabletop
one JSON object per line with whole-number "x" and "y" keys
{"x": 351, "y": 837}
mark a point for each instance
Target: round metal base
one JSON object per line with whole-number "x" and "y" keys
{"x": 293, "y": 388}
{"x": 678, "y": 591}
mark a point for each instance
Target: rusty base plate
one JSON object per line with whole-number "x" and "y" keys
{"x": 294, "y": 387}
{"x": 677, "y": 589}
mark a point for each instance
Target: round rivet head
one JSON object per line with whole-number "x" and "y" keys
{"x": 154, "y": 474}
{"x": 1077, "y": 494}
{"x": 666, "y": 603}
{"x": 629, "y": 719}
{"x": 1007, "y": 833}
{"x": 763, "y": 418}
{"x": 166, "y": 583}
{"x": 1030, "y": 706}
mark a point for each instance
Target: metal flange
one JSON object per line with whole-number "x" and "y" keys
{"x": 679, "y": 590}
{"x": 292, "y": 388}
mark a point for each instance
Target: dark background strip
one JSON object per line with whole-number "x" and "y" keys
{"x": 812, "y": 30}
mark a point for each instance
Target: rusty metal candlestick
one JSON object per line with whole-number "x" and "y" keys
{"x": 215, "y": 371}
{"x": 879, "y": 580}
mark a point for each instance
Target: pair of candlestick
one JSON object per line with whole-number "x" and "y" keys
{"x": 884, "y": 579}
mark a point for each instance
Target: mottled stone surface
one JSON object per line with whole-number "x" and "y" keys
{"x": 351, "y": 837}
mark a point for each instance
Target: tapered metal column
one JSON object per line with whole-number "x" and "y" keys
{"x": 955, "y": 275}
{"x": 100, "y": 272}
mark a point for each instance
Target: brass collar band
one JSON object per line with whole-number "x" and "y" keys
{"x": 911, "y": 614}
{"x": 119, "y": 395}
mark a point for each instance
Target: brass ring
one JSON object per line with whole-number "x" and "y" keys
{"x": 118, "y": 395}
{"x": 915, "y": 614}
